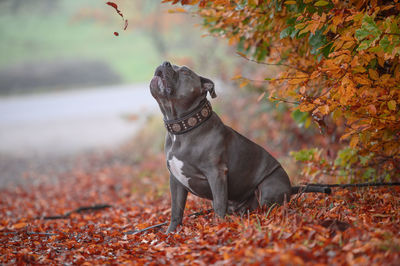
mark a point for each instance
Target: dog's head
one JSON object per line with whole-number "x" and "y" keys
{"x": 179, "y": 86}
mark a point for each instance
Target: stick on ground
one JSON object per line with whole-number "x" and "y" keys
{"x": 77, "y": 210}
{"x": 196, "y": 214}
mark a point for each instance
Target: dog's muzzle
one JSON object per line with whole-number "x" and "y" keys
{"x": 164, "y": 78}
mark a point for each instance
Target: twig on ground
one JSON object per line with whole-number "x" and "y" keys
{"x": 78, "y": 210}
{"x": 370, "y": 184}
{"x": 29, "y": 233}
{"x": 145, "y": 229}
{"x": 42, "y": 233}
{"x": 196, "y": 214}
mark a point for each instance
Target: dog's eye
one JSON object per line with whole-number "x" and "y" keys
{"x": 185, "y": 71}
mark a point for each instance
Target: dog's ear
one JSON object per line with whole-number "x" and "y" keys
{"x": 208, "y": 85}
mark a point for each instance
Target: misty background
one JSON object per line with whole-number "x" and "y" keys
{"x": 69, "y": 86}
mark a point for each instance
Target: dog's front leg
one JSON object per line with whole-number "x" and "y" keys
{"x": 178, "y": 201}
{"x": 218, "y": 180}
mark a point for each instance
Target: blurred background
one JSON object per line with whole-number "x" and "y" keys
{"x": 69, "y": 86}
{"x": 72, "y": 92}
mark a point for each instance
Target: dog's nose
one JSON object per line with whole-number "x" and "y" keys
{"x": 166, "y": 64}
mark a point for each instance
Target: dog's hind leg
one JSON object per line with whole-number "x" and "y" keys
{"x": 275, "y": 188}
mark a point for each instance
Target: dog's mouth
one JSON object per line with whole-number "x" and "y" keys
{"x": 161, "y": 80}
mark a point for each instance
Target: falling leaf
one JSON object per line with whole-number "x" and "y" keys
{"x": 115, "y": 6}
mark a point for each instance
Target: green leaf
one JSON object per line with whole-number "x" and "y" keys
{"x": 364, "y": 160}
{"x": 358, "y": 17}
{"x": 346, "y": 157}
{"x": 308, "y": 122}
{"x": 304, "y": 155}
{"x": 364, "y": 45}
{"x": 262, "y": 52}
{"x": 361, "y": 34}
{"x": 384, "y": 43}
{"x": 370, "y": 25}
{"x": 393, "y": 27}
{"x": 369, "y": 172}
{"x": 286, "y": 32}
{"x": 321, "y": 3}
{"x": 387, "y": 178}
{"x": 316, "y": 41}
{"x": 375, "y": 49}
{"x": 291, "y": 21}
{"x": 327, "y": 49}
{"x": 368, "y": 32}
{"x": 294, "y": 33}
{"x": 299, "y": 117}
{"x": 372, "y": 63}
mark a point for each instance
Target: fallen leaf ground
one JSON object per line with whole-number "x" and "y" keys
{"x": 353, "y": 227}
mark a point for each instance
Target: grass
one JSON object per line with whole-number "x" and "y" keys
{"x": 35, "y": 36}
{"x": 32, "y": 35}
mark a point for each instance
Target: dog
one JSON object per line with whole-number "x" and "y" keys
{"x": 206, "y": 157}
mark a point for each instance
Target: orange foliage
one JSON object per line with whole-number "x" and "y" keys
{"x": 340, "y": 63}
{"x": 346, "y": 228}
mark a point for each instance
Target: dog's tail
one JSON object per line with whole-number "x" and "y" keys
{"x": 307, "y": 189}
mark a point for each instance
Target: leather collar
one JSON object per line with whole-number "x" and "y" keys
{"x": 190, "y": 121}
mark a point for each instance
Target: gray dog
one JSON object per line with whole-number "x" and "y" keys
{"x": 209, "y": 159}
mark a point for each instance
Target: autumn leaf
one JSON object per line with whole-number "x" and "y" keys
{"x": 297, "y": 80}
{"x": 321, "y": 3}
{"x": 372, "y": 109}
{"x": 241, "y": 54}
{"x": 177, "y": 10}
{"x": 324, "y": 109}
{"x": 373, "y": 74}
{"x": 392, "y": 105}
{"x": 354, "y": 141}
{"x": 19, "y": 225}
{"x": 236, "y": 77}
{"x": 306, "y": 107}
{"x": 243, "y": 83}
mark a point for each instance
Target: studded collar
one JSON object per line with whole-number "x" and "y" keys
{"x": 191, "y": 120}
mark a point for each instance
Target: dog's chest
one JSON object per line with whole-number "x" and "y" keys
{"x": 185, "y": 172}
{"x": 176, "y": 167}
{"x": 184, "y": 163}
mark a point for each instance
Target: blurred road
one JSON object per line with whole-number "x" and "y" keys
{"x": 69, "y": 122}
{"x": 47, "y": 132}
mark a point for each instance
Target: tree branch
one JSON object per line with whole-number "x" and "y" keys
{"x": 272, "y": 64}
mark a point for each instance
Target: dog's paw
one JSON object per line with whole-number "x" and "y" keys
{"x": 171, "y": 228}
